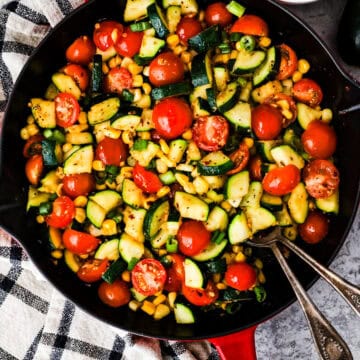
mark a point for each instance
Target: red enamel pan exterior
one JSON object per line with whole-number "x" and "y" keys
{"x": 339, "y": 92}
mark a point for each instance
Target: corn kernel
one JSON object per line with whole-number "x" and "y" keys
{"x": 287, "y": 114}
{"x": 137, "y": 81}
{"x": 249, "y": 142}
{"x": 57, "y": 254}
{"x": 178, "y": 49}
{"x": 126, "y": 276}
{"x": 161, "y": 311}
{"x": 32, "y": 129}
{"x": 148, "y": 307}
{"x": 228, "y": 258}
{"x": 202, "y": 15}
{"x": 171, "y": 298}
{"x": 164, "y": 190}
{"x": 187, "y": 135}
{"x": 226, "y": 205}
{"x": 66, "y": 147}
{"x": 135, "y": 69}
{"x": 100, "y": 187}
{"x": 303, "y": 66}
{"x": 185, "y": 57}
{"x": 240, "y": 257}
{"x": 236, "y": 249}
{"x": 162, "y": 252}
{"x": 109, "y": 227}
{"x": 326, "y": 115}
{"x": 201, "y": 186}
{"x": 161, "y": 166}
{"x": 297, "y": 75}
{"x": 258, "y": 263}
{"x": 112, "y": 63}
{"x": 159, "y": 299}
{"x": 183, "y": 180}
{"x": 164, "y": 146}
{"x": 134, "y": 305}
{"x": 233, "y": 54}
{"x": 127, "y": 137}
{"x": 82, "y": 118}
{"x": 221, "y": 286}
{"x": 83, "y": 256}
{"x": 80, "y": 201}
{"x": 146, "y": 71}
{"x": 126, "y": 61}
{"x": 172, "y": 40}
{"x": 216, "y": 278}
{"x": 98, "y": 165}
{"x": 264, "y": 41}
{"x": 146, "y": 87}
{"x": 80, "y": 215}
{"x": 40, "y": 219}
{"x": 261, "y": 277}
{"x": 105, "y": 68}
{"x": 24, "y": 133}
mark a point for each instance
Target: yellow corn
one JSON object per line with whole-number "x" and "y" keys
{"x": 264, "y": 41}
{"x": 137, "y": 81}
{"x": 112, "y": 63}
{"x": 303, "y": 66}
{"x": 66, "y": 147}
{"x": 82, "y": 118}
{"x": 83, "y": 256}
{"x": 105, "y": 68}
{"x": 221, "y": 286}
{"x": 178, "y": 49}
{"x": 186, "y": 57}
{"x": 161, "y": 166}
{"x": 162, "y": 252}
{"x": 202, "y": 15}
{"x": 148, "y": 307}
{"x": 261, "y": 277}
{"x": 80, "y": 201}
{"x": 326, "y": 115}
{"x": 57, "y": 254}
{"x": 135, "y": 69}
{"x": 249, "y": 142}
{"x": 172, "y": 40}
{"x": 127, "y": 137}
{"x": 216, "y": 278}
{"x": 30, "y": 120}
{"x": 187, "y": 135}
{"x": 98, "y": 165}
{"x": 134, "y": 305}
{"x": 201, "y": 186}
{"x": 258, "y": 263}
{"x": 171, "y": 298}
{"x": 161, "y": 311}
{"x": 32, "y": 129}
{"x": 146, "y": 71}
{"x": 228, "y": 258}
{"x": 159, "y": 299}
{"x": 287, "y": 114}
{"x": 24, "y": 133}
{"x": 109, "y": 227}
{"x": 126, "y": 61}
{"x": 40, "y": 219}
{"x": 240, "y": 257}
{"x": 164, "y": 190}
{"x": 164, "y": 146}
{"x": 100, "y": 186}
{"x": 183, "y": 180}
{"x": 233, "y": 54}
{"x": 214, "y": 196}
{"x": 126, "y": 276}
{"x": 297, "y": 75}
{"x": 236, "y": 249}
{"x": 80, "y": 215}
{"x": 226, "y": 205}
{"x": 146, "y": 88}
{"x": 77, "y": 128}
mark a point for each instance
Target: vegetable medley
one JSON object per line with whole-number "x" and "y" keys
{"x": 168, "y": 140}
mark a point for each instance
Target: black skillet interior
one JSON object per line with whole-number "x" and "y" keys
{"x": 339, "y": 93}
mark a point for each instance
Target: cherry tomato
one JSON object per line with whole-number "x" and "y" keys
{"x": 288, "y": 62}
{"x": 79, "y": 242}
{"x": 33, "y": 146}
{"x": 67, "y": 109}
{"x": 187, "y": 28}
{"x": 171, "y": 116}
{"x": 282, "y": 180}
{"x": 175, "y": 274}
{"x": 277, "y": 100}
{"x": 78, "y": 184}
{"x": 193, "y": 237}
{"x": 148, "y": 276}
{"x": 240, "y": 158}
{"x": 146, "y": 180}
{"x": 92, "y": 270}
{"x": 33, "y": 169}
{"x": 266, "y": 122}
{"x": 166, "y": 68}
{"x": 211, "y": 133}
{"x": 217, "y": 13}
{"x": 255, "y": 170}
{"x": 79, "y": 74}
{"x": 129, "y": 42}
{"x": 63, "y": 212}
{"x": 240, "y": 276}
{"x": 201, "y": 297}
{"x": 321, "y": 178}
{"x": 115, "y": 295}
{"x": 319, "y": 140}
{"x": 111, "y": 151}
{"x": 308, "y": 92}
{"x": 106, "y": 34}
{"x": 118, "y": 79}
{"x": 250, "y": 25}
{"x": 315, "y": 227}
{"x": 81, "y": 51}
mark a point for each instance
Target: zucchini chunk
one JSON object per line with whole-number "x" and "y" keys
{"x": 248, "y": 61}
{"x": 108, "y": 250}
{"x": 240, "y": 115}
{"x": 155, "y": 217}
{"x": 126, "y": 119}
{"x": 157, "y": 20}
{"x": 206, "y": 39}
{"x": 286, "y": 155}
{"x": 80, "y": 161}
{"x": 114, "y": 270}
{"x": 268, "y": 68}
{"x": 43, "y": 112}
{"x": 150, "y": 46}
{"x": 329, "y": 204}
{"x": 193, "y": 275}
{"x": 96, "y": 74}
{"x": 191, "y": 206}
{"x": 183, "y": 314}
{"x": 218, "y": 219}
{"x": 129, "y": 248}
{"x": 253, "y": 197}
{"x": 168, "y": 229}
{"x": 259, "y": 218}
{"x": 177, "y": 89}
{"x": 215, "y": 163}
{"x": 227, "y": 98}
{"x": 136, "y": 9}
{"x": 213, "y": 251}
{"x": 131, "y": 194}
{"x": 201, "y": 70}
{"x": 271, "y": 202}
{"x": 239, "y": 230}
{"x": 103, "y": 110}
{"x": 187, "y": 6}
{"x": 306, "y": 114}
{"x": 66, "y": 83}
{"x": 237, "y": 185}
{"x": 134, "y": 222}
{"x": 72, "y": 261}
{"x": 298, "y": 203}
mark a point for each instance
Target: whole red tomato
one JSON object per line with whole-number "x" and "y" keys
{"x": 79, "y": 242}
{"x": 129, "y": 42}
{"x": 187, "y": 28}
{"x": 240, "y": 276}
{"x": 308, "y": 91}
{"x": 111, "y": 151}
{"x": 106, "y": 34}
{"x": 78, "y": 184}
{"x": 175, "y": 274}
{"x": 92, "y": 270}
{"x": 146, "y": 180}
{"x": 67, "y": 109}
{"x": 79, "y": 74}
{"x": 266, "y": 122}
{"x": 63, "y": 212}
{"x": 118, "y": 79}
{"x": 33, "y": 169}
{"x": 315, "y": 227}
{"x": 201, "y": 297}
{"x": 217, "y": 13}
{"x": 81, "y": 51}
{"x": 116, "y": 294}
{"x": 250, "y": 25}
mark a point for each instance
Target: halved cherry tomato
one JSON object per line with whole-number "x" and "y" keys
{"x": 78, "y": 184}
{"x": 63, "y": 212}
{"x": 33, "y": 169}
{"x": 111, "y": 151}
{"x": 240, "y": 158}
{"x": 193, "y": 237}
{"x": 280, "y": 101}
{"x": 116, "y": 294}
{"x": 67, "y": 109}
{"x": 166, "y": 68}
{"x": 129, "y": 42}
{"x": 106, "y": 34}
{"x": 187, "y": 28}
{"x": 175, "y": 274}
{"x": 92, "y": 270}
{"x": 240, "y": 276}
{"x": 79, "y": 242}
{"x": 148, "y": 276}
{"x": 255, "y": 165}
{"x": 33, "y": 145}
{"x": 315, "y": 227}
{"x": 81, "y": 51}
{"x": 266, "y": 122}
{"x": 211, "y": 133}
{"x": 79, "y": 74}
{"x": 288, "y": 62}
{"x": 217, "y": 13}
{"x": 308, "y": 91}
{"x": 281, "y": 181}
{"x": 171, "y": 116}
{"x": 250, "y": 25}
{"x": 319, "y": 140}
{"x": 118, "y": 79}
{"x": 321, "y": 178}
{"x": 201, "y": 297}
{"x": 146, "y": 180}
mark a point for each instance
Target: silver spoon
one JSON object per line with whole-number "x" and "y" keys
{"x": 329, "y": 343}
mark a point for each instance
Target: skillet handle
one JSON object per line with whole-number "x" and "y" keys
{"x": 238, "y": 346}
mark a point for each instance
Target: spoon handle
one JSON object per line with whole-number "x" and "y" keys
{"x": 350, "y": 292}
{"x": 329, "y": 343}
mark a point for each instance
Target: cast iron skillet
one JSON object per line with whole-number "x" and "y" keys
{"x": 340, "y": 93}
